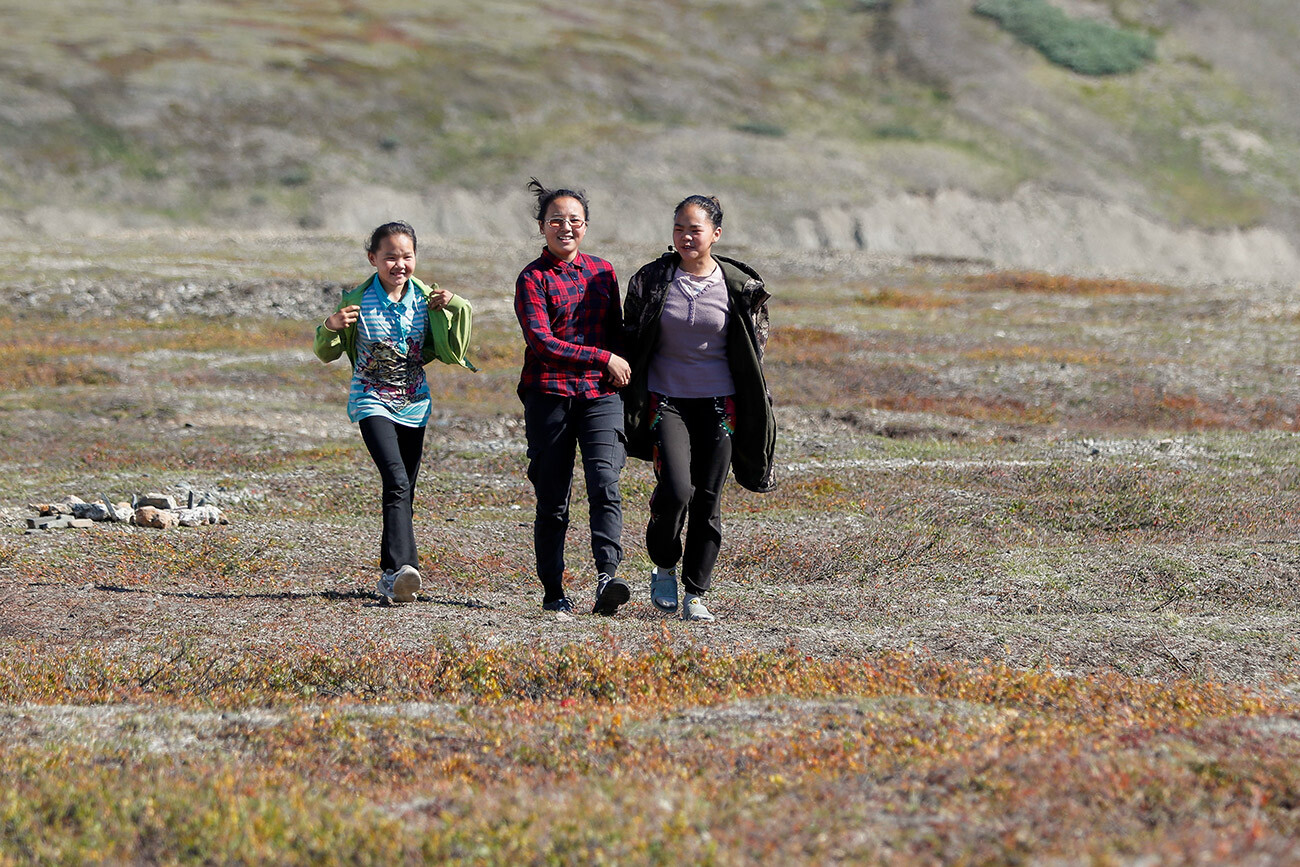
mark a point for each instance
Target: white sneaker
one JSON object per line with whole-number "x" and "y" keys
{"x": 406, "y": 583}
{"x": 694, "y": 609}
{"x": 663, "y": 588}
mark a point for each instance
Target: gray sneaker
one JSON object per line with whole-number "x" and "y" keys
{"x": 611, "y": 592}
{"x": 694, "y": 609}
{"x": 385, "y": 588}
{"x": 406, "y": 583}
{"x": 663, "y": 588}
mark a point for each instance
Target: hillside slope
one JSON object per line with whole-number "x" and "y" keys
{"x": 905, "y": 127}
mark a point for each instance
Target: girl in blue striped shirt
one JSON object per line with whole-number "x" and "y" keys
{"x": 390, "y": 326}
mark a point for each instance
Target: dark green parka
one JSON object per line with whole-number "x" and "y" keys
{"x": 754, "y": 442}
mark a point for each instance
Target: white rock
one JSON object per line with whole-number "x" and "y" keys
{"x": 200, "y": 515}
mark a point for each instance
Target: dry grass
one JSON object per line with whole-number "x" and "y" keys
{"x": 42, "y": 352}
{"x": 1058, "y": 284}
{"x": 1025, "y": 352}
{"x": 904, "y": 300}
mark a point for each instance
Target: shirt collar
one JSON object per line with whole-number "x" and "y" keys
{"x": 555, "y": 262}
{"x": 404, "y": 303}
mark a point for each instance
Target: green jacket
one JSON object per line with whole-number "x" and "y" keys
{"x": 446, "y": 337}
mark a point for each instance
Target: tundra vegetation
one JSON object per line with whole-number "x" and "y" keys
{"x": 1027, "y": 591}
{"x": 1084, "y": 45}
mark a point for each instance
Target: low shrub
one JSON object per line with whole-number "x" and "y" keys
{"x": 770, "y": 130}
{"x": 904, "y": 300}
{"x": 1058, "y": 284}
{"x": 1084, "y": 46}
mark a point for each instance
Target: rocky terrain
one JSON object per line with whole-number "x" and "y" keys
{"x": 986, "y": 452}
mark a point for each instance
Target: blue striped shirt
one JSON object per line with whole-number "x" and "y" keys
{"x": 388, "y": 379}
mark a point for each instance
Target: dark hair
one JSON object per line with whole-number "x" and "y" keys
{"x": 545, "y": 197}
{"x": 708, "y": 204}
{"x": 397, "y": 227}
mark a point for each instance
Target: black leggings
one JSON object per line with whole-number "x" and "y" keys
{"x": 692, "y": 456}
{"x": 396, "y": 450}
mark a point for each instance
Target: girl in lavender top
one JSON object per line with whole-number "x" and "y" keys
{"x": 697, "y": 404}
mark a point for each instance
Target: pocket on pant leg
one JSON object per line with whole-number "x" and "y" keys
{"x": 622, "y": 450}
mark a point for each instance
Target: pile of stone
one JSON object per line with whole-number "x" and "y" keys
{"x": 145, "y": 510}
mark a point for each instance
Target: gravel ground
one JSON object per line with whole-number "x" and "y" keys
{"x": 894, "y": 528}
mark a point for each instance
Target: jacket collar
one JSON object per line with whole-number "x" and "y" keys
{"x": 738, "y": 276}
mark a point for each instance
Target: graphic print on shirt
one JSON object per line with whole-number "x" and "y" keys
{"x": 391, "y": 373}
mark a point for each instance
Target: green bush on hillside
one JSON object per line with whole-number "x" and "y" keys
{"x": 1087, "y": 47}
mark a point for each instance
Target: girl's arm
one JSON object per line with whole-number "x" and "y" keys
{"x": 329, "y": 340}
{"x": 614, "y": 322}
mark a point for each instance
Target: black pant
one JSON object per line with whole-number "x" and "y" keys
{"x": 692, "y": 456}
{"x": 396, "y": 450}
{"x": 555, "y": 426}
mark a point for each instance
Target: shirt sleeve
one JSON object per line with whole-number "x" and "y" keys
{"x": 530, "y": 308}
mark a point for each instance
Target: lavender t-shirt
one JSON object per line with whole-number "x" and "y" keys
{"x": 691, "y": 360}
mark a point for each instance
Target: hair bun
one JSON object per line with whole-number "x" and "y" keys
{"x": 708, "y": 204}
{"x": 545, "y": 196}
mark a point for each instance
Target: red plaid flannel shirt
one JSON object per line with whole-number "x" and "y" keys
{"x": 572, "y": 322}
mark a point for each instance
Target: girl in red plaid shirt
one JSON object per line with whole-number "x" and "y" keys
{"x": 569, "y": 310}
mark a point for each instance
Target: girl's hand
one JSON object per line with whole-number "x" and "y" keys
{"x": 342, "y": 319}
{"x": 440, "y": 298}
{"x": 618, "y": 371}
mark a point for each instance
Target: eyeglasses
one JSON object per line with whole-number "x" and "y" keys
{"x": 559, "y": 222}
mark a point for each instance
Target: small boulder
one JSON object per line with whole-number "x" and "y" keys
{"x": 63, "y": 508}
{"x": 157, "y": 501}
{"x": 148, "y": 516}
{"x": 91, "y": 511}
{"x": 120, "y": 512}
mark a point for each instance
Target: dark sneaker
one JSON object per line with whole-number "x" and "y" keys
{"x": 611, "y": 592}
{"x": 562, "y": 604}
